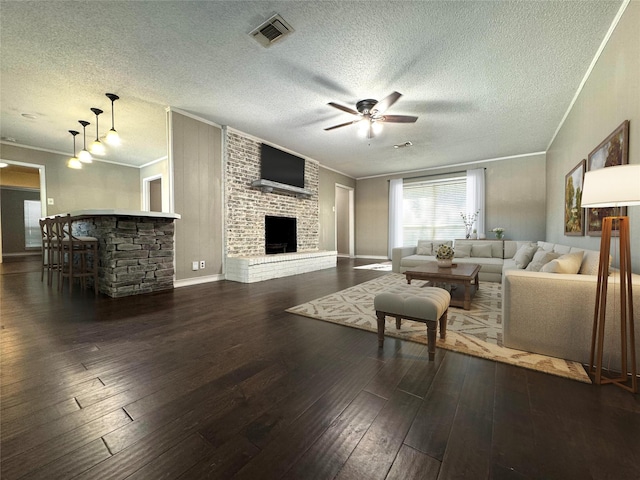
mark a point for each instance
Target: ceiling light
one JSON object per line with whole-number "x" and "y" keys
{"x": 84, "y": 156}
{"x": 376, "y": 127}
{"x": 112, "y": 136}
{"x": 73, "y": 162}
{"x": 30, "y": 116}
{"x": 403, "y": 145}
{"x": 97, "y": 147}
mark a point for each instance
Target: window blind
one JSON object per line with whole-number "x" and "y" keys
{"x": 32, "y": 211}
{"x": 431, "y": 210}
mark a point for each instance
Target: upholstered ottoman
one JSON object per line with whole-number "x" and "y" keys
{"x": 428, "y": 305}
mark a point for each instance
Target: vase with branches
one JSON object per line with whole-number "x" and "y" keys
{"x": 469, "y": 219}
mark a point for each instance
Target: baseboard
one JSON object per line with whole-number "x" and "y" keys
{"x": 197, "y": 280}
{"x": 373, "y": 257}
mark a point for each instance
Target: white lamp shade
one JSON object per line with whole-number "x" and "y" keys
{"x": 74, "y": 163}
{"x": 97, "y": 148}
{"x": 112, "y": 138}
{"x": 84, "y": 156}
{"x": 617, "y": 186}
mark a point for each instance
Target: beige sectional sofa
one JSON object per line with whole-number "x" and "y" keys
{"x": 543, "y": 312}
{"x": 489, "y": 254}
{"x": 552, "y": 313}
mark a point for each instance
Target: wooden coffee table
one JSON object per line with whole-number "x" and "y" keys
{"x": 465, "y": 274}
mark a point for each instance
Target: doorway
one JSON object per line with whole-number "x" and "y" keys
{"x": 23, "y": 192}
{"x": 345, "y": 223}
{"x": 152, "y": 194}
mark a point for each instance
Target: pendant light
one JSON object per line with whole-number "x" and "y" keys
{"x": 97, "y": 147}
{"x": 84, "y": 156}
{"x": 73, "y": 162}
{"x": 112, "y": 136}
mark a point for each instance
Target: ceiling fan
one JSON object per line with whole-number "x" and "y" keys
{"x": 372, "y": 111}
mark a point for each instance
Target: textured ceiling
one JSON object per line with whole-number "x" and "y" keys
{"x": 487, "y": 79}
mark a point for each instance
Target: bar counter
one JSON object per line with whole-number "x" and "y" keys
{"x": 136, "y": 249}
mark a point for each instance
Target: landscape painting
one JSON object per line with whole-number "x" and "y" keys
{"x": 614, "y": 150}
{"x": 573, "y": 211}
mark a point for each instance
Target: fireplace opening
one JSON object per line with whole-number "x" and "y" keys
{"x": 280, "y": 235}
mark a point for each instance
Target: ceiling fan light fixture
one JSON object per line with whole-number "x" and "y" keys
{"x": 97, "y": 147}
{"x": 376, "y": 127}
{"x": 112, "y": 138}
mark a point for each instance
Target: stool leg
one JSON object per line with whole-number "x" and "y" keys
{"x": 443, "y": 324}
{"x": 398, "y": 322}
{"x": 380, "y": 316}
{"x": 431, "y": 338}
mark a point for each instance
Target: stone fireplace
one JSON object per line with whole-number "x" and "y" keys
{"x": 247, "y": 208}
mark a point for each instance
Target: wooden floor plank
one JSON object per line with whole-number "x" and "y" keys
{"x": 374, "y": 455}
{"x": 411, "y": 464}
{"x": 325, "y": 457}
{"x": 25, "y": 462}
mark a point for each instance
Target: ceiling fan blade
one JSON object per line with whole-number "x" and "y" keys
{"x": 386, "y": 102}
{"x": 344, "y": 109}
{"x": 398, "y": 119}
{"x": 341, "y": 125}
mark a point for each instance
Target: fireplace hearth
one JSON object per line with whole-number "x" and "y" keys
{"x": 280, "y": 235}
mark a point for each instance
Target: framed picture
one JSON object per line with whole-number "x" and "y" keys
{"x": 573, "y": 211}
{"x": 614, "y": 150}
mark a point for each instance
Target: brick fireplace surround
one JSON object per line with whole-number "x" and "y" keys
{"x": 247, "y": 207}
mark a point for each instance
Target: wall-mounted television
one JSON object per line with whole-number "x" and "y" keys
{"x": 281, "y": 167}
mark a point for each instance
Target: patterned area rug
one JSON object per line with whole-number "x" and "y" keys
{"x": 476, "y": 332}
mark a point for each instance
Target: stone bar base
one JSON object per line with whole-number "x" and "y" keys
{"x": 259, "y": 268}
{"x": 136, "y": 253}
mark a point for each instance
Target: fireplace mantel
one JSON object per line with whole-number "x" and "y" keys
{"x": 267, "y": 186}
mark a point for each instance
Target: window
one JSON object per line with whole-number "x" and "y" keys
{"x": 431, "y": 210}
{"x": 32, "y": 237}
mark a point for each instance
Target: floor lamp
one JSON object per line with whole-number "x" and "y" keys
{"x": 617, "y": 186}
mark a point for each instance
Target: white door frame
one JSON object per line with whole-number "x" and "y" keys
{"x": 352, "y": 225}
{"x": 146, "y": 190}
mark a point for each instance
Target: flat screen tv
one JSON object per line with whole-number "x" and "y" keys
{"x": 281, "y": 167}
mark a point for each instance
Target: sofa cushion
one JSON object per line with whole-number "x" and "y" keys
{"x": 561, "y": 249}
{"x": 462, "y": 251}
{"x": 546, "y": 246}
{"x": 425, "y": 247}
{"x": 437, "y": 243}
{"x": 590, "y": 262}
{"x": 524, "y": 255}
{"x": 481, "y": 251}
{"x": 540, "y": 259}
{"x": 415, "y": 260}
{"x": 567, "y": 263}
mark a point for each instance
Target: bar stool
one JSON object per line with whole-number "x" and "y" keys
{"x": 49, "y": 250}
{"x": 70, "y": 246}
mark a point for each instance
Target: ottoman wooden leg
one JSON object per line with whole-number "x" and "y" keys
{"x": 398, "y": 322}
{"x": 380, "y": 316}
{"x": 443, "y": 324}
{"x": 431, "y": 338}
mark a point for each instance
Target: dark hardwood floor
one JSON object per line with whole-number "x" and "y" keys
{"x": 218, "y": 381}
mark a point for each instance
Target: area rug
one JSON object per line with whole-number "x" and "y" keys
{"x": 382, "y": 267}
{"x": 476, "y": 332}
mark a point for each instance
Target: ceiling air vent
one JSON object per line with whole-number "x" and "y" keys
{"x": 271, "y": 31}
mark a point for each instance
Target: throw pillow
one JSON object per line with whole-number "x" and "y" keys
{"x": 540, "y": 259}
{"x": 483, "y": 251}
{"x": 567, "y": 263}
{"x": 591, "y": 262}
{"x": 462, "y": 251}
{"x": 424, "y": 247}
{"x": 524, "y": 255}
